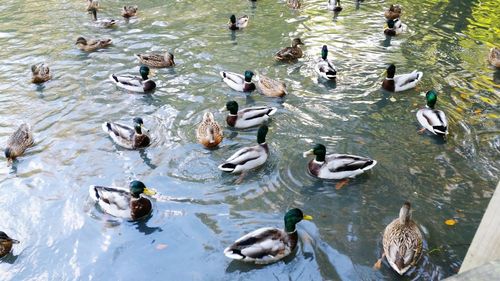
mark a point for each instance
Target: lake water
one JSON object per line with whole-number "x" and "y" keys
{"x": 199, "y": 211}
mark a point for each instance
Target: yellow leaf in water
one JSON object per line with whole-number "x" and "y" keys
{"x": 464, "y": 96}
{"x": 459, "y": 109}
{"x": 487, "y": 100}
{"x": 477, "y": 111}
{"x": 161, "y": 246}
{"x": 450, "y": 222}
{"x": 492, "y": 116}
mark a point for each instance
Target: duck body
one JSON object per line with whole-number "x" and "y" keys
{"x": 120, "y": 202}
{"x": 325, "y": 67}
{"x": 292, "y": 53}
{"x": 18, "y": 142}
{"x": 237, "y": 24}
{"x": 127, "y": 137}
{"x": 334, "y": 5}
{"x": 156, "y": 60}
{"x": 270, "y": 87}
{"x": 394, "y": 12}
{"x": 494, "y": 57}
{"x": 293, "y": 4}
{"x": 92, "y": 45}
{"x": 394, "y": 27}
{"x": 248, "y": 158}
{"x": 268, "y": 244}
{"x": 402, "y": 82}
{"x": 41, "y": 73}
{"x": 6, "y": 244}
{"x": 238, "y": 82}
{"x": 402, "y": 241}
{"x": 133, "y": 83}
{"x": 248, "y": 117}
{"x": 432, "y": 119}
{"x": 337, "y": 166}
{"x": 105, "y": 23}
{"x": 209, "y": 132}
{"x": 129, "y": 11}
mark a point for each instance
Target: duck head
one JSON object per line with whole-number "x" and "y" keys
{"x": 261, "y": 134}
{"x": 296, "y": 42}
{"x": 232, "y": 106}
{"x": 293, "y": 217}
{"x": 324, "y": 52}
{"x": 319, "y": 150}
{"x": 137, "y": 188}
{"x": 248, "y": 76}
{"x": 431, "y": 98}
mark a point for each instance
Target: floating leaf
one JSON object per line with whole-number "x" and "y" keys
{"x": 459, "y": 109}
{"x": 341, "y": 183}
{"x": 392, "y": 99}
{"x": 161, "y": 246}
{"x": 464, "y": 96}
{"x": 477, "y": 111}
{"x": 450, "y": 222}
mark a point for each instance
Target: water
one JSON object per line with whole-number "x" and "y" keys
{"x": 44, "y": 197}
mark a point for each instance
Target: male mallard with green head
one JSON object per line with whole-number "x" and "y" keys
{"x": 92, "y": 45}
{"x": 241, "y": 23}
{"x": 157, "y": 60}
{"x": 401, "y": 82}
{"x": 41, "y": 73}
{"x": 248, "y": 158}
{"x": 268, "y": 244}
{"x": 434, "y": 120}
{"x": 402, "y": 242}
{"x": 334, "y": 5}
{"x": 126, "y": 136}
{"x": 19, "y": 142}
{"x": 209, "y": 132}
{"x": 325, "y": 67}
{"x": 292, "y": 53}
{"x": 129, "y": 11}
{"x": 394, "y": 27}
{"x": 6, "y": 244}
{"x": 238, "y": 82}
{"x": 134, "y": 83}
{"x": 106, "y": 23}
{"x": 336, "y": 166}
{"x": 119, "y": 202}
{"x": 247, "y": 117}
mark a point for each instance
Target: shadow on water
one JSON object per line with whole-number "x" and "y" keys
{"x": 387, "y": 41}
{"x": 144, "y": 156}
{"x": 9, "y": 258}
{"x": 142, "y": 226}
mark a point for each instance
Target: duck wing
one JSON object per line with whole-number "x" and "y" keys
{"x": 245, "y": 159}
{"x": 242, "y": 21}
{"x": 113, "y": 200}
{"x": 433, "y": 120}
{"x": 347, "y": 162}
{"x": 121, "y": 134}
{"x": 128, "y": 82}
{"x": 234, "y": 80}
{"x": 326, "y": 69}
{"x": 262, "y": 246}
{"x": 407, "y": 81}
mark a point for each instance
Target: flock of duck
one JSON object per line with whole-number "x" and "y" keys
{"x": 402, "y": 239}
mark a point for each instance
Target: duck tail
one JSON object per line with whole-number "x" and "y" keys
{"x": 440, "y": 130}
{"x": 94, "y": 193}
{"x": 106, "y": 127}
{"x": 272, "y": 110}
{"x": 222, "y": 74}
{"x": 227, "y": 167}
{"x": 233, "y": 254}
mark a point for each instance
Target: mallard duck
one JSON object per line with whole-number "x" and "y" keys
{"x": 134, "y": 83}
{"x": 250, "y": 157}
{"x": 270, "y": 87}
{"x": 129, "y": 11}
{"x": 325, "y": 67}
{"x": 128, "y": 137}
{"x": 268, "y": 244}
{"x": 293, "y": 4}
{"x": 402, "y": 241}
{"x": 41, "y": 73}
{"x": 494, "y": 57}
{"x": 92, "y": 45}
{"x": 402, "y": 82}
{"x": 92, "y": 5}
{"x": 6, "y": 244}
{"x": 432, "y": 119}
{"x": 336, "y": 166}
{"x": 241, "y": 23}
{"x": 157, "y": 60}
{"x": 239, "y": 82}
{"x": 394, "y": 27}
{"x": 119, "y": 202}
{"x": 393, "y": 12}
{"x": 209, "y": 132}
{"x": 334, "y": 5}
{"x": 106, "y": 23}
{"x": 247, "y": 117}
{"x": 290, "y": 53}
{"x": 19, "y": 142}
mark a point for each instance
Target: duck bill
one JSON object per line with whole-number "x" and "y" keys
{"x": 149, "y": 192}
{"x": 307, "y": 153}
{"x": 307, "y": 218}
{"x": 222, "y": 109}
{"x": 384, "y": 73}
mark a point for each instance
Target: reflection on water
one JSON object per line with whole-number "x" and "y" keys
{"x": 199, "y": 210}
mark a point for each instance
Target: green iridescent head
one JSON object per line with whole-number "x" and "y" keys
{"x": 138, "y": 128}
{"x": 390, "y": 23}
{"x": 137, "y": 188}
{"x": 232, "y": 106}
{"x": 324, "y": 52}
{"x": 233, "y": 19}
{"x": 248, "y": 76}
{"x": 293, "y": 217}
{"x": 261, "y": 134}
{"x": 319, "y": 150}
{"x": 431, "y": 98}
{"x": 144, "y": 71}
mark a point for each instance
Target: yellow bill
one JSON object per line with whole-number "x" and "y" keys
{"x": 307, "y": 218}
{"x": 149, "y": 191}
